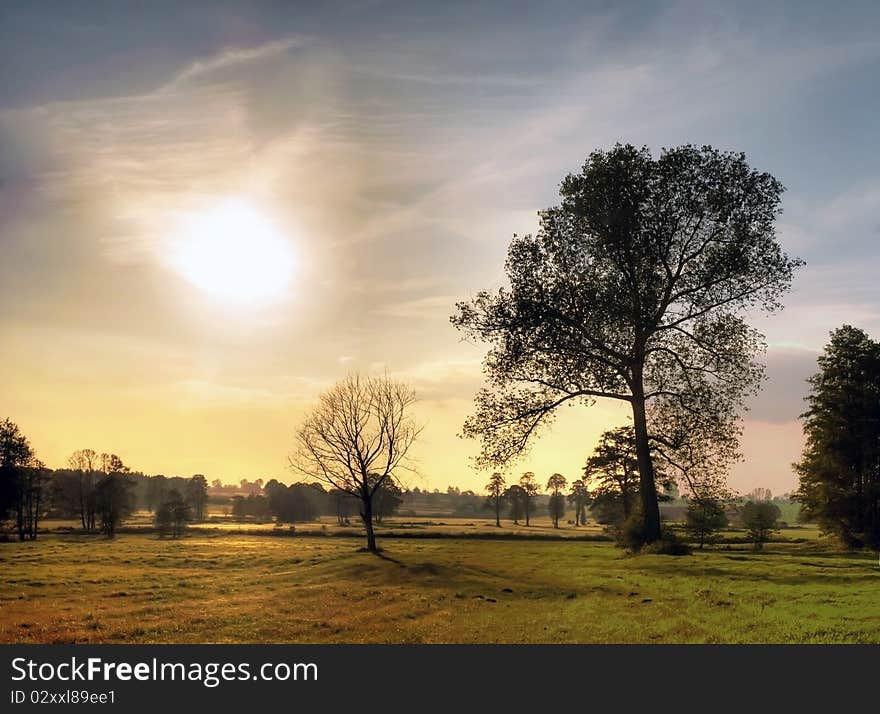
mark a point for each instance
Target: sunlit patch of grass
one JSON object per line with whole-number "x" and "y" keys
{"x": 242, "y": 588}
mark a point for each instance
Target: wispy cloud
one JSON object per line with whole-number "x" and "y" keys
{"x": 229, "y": 58}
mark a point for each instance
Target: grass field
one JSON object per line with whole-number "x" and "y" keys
{"x": 229, "y": 587}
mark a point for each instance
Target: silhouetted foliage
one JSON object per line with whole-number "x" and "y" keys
{"x": 172, "y": 514}
{"x": 22, "y": 481}
{"x": 612, "y": 471}
{"x": 529, "y": 488}
{"x": 85, "y": 463}
{"x": 253, "y": 506}
{"x": 579, "y": 497}
{"x": 386, "y": 500}
{"x": 516, "y": 497}
{"x": 634, "y": 289}
{"x": 495, "y": 489}
{"x": 556, "y": 505}
{"x": 197, "y": 496}
{"x": 840, "y": 466}
{"x": 114, "y": 501}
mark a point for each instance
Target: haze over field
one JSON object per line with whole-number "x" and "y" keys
{"x": 360, "y": 167}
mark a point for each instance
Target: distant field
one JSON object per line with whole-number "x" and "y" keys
{"x": 541, "y": 527}
{"x": 226, "y": 587}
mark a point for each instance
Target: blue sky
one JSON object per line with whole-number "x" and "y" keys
{"x": 398, "y": 145}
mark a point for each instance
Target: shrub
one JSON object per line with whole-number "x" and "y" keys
{"x": 630, "y": 533}
{"x": 669, "y": 544}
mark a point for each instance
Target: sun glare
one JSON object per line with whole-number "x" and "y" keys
{"x": 233, "y": 251}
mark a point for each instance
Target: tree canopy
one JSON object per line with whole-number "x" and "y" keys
{"x": 635, "y": 289}
{"x": 840, "y": 467}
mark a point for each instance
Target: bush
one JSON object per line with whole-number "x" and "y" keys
{"x": 631, "y": 535}
{"x": 669, "y": 544}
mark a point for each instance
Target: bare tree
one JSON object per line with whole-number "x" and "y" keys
{"x": 88, "y": 464}
{"x": 357, "y": 438}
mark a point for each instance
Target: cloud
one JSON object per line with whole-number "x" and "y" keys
{"x": 232, "y": 57}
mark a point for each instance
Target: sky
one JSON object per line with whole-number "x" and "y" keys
{"x": 384, "y": 153}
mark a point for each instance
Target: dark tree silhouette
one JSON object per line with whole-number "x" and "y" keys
{"x": 840, "y": 466}
{"x": 197, "y": 496}
{"x": 529, "y": 487}
{"x": 634, "y": 289}
{"x": 579, "y": 497}
{"x": 613, "y": 470}
{"x": 172, "y": 514}
{"x": 22, "y": 480}
{"x": 114, "y": 500}
{"x": 495, "y": 489}
{"x": 386, "y": 500}
{"x": 556, "y": 505}
{"x": 357, "y": 438}
{"x": 87, "y": 464}
{"x": 516, "y": 497}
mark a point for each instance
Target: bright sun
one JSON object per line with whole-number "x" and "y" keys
{"x": 233, "y": 252}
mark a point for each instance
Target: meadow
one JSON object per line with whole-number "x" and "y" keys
{"x": 228, "y": 585}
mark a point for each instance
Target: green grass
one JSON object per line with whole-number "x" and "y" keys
{"x": 245, "y": 588}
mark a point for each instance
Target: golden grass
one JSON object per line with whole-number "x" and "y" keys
{"x": 244, "y": 588}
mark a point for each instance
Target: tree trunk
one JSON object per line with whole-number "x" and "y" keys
{"x": 647, "y": 489}
{"x": 498, "y": 512}
{"x": 367, "y": 515}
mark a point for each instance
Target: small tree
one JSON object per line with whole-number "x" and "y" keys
{"x": 387, "y": 500}
{"x": 555, "y": 485}
{"x": 357, "y": 438}
{"x": 33, "y": 483}
{"x": 495, "y": 488}
{"x": 579, "y": 496}
{"x": 197, "y": 496}
{"x": 114, "y": 501}
{"x": 172, "y": 515}
{"x": 516, "y": 497}
{"x": 87, "y": 464}
{"x": 344, "y": 504}
{"x": 704, "y": 518}
{"x": 760, "y": 519}
{"x": 530, "y": 489}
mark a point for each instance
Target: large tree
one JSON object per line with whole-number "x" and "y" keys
{"x": 840, "y": 467}
{"x": 357, "y": 438}
{"x": 634, "y": 289}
